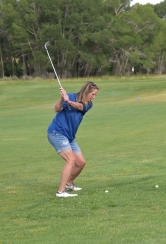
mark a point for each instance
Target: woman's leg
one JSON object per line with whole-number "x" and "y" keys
{"x": 74, "y": 159}
{"x": 70, "y": 159}
{"x": 77, "y": 168}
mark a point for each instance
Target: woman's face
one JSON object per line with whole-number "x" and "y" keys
{"x": 92, "y": 95}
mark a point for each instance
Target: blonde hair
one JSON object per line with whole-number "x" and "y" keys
{"x": 88, "y": 87}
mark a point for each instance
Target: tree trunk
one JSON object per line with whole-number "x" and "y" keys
{"x": 2, "y": 64}
{"x": 24, "y": 65}
{"x": 160, "y": 65}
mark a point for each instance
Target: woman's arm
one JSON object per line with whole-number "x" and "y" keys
{"x": 58, "y": 105}
{"x": 76, "y": 105}
{"x": 64, "y": 97}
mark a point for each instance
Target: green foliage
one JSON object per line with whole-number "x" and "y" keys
{"x": 160, "y": 9}
{"x": 79, "y": 32}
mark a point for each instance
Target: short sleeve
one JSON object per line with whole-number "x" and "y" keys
{"x": 87, "y": 107}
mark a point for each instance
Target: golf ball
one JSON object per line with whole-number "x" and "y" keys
{"x": 157, "y": 186}
{"x": 106, "y": 191}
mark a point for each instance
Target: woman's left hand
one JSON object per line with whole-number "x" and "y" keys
{"x": 65, "y": 98}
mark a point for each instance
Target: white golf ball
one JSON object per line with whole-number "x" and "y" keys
{"x": 106, "y": 191}
{"x": 157, "y": 186}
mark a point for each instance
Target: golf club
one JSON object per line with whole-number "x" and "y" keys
{"x": 47, "y": 44}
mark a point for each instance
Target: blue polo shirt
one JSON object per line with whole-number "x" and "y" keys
{"x": 66, "y": 122}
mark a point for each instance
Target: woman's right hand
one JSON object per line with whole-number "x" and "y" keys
{"x": 63, "y": 94}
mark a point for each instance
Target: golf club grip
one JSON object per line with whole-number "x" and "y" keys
{"x": 68, "y": 106}
{"x": 66, "y": 101}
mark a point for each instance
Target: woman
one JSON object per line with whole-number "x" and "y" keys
{"x": 70, "y": 110}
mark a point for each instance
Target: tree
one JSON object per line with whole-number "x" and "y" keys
{"x": 160, "y": 9}
{"x": 90, "y": 37}
{"x": 74, "y": 24}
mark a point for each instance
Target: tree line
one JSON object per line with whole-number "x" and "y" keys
{"x": 87, "y": 38}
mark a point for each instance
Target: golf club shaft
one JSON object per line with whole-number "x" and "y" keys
{"x": 54, "y": 69}
{"x": 53, "y": 66}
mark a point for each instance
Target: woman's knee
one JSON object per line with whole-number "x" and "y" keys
{"x": 80, "y": 160}
{"x": 68, "y": 156}
{"x": 84, "y": 162}
{"x": 81, "y": 163}
{"x": 71, "y": 160}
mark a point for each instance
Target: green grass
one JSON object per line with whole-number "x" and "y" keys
{"x": 124, "y": 141}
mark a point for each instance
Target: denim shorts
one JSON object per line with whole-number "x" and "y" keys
{"x": 61, "y": 143}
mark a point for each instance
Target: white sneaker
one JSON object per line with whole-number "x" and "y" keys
{"x": 72, "y": 187}
{"x": 65, "y": 194}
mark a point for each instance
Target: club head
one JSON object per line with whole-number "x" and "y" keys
{"x": 47, "y": 44}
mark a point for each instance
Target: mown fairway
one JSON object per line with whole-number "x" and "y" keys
{"x": 124, "y": 141}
